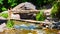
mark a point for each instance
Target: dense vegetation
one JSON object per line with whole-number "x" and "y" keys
{"x": 4, "y": 14}
{"x": 56, "y": 10}
{"x": 5, "y": 4}
{"x": 40, "y": 16}
{"x": 10, "y": 24}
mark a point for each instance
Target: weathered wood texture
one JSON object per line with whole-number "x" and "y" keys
{"x": 26, "y": 11}
{"x": 31, "y": 21}
{"x": 25, "y": 20}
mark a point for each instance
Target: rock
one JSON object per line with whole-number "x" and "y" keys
{"x": 24, "y": 6}
{"x": 29, "y": 6}
{"x": 2, "y": 18}
{"x": 58, "y": 32}
{"x": 46, "y": 22}
{"x": 29, "y": 33}
{"x": 55, "y": 25}
{"x": 15, "y": 16}
{"x": 2, "y": 26}
{"x": 2, "y": 21}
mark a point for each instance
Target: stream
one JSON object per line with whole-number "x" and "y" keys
{"x": 29, "y": 31}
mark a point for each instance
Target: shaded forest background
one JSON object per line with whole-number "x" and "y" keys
{"x": 5, "y": 4}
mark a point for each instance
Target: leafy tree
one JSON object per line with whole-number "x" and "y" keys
{"x": 5, "y": 4}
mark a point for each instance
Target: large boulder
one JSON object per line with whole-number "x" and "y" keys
{"x": 29, "y": 6}
{"x": 25, "y": 6}
{"x": 15, "y": 16}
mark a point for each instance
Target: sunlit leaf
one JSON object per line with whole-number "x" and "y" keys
{"x": 3, "y": 8}
{"x": 40, "y": 16}
{"x": 13, "y": 4}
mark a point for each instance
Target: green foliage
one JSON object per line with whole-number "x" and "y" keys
{"x": 5, "y": 4}
{"x": 40, "y": 16}
{"x": 5, "y": 15}
{"x": 1, "y": 1}
{"x": 3, "y": 8}
{"x": 56, "y": 10}
{"x": 12, "y": 3}
{"x": 10, "y": 24}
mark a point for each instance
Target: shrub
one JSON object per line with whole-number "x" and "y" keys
{"x": 40, "y": 16}
{"x": 10, "y": 24}
{"x": 55, "y": 13}
{"x": 4, "y": 14}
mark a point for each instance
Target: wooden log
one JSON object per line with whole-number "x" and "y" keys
{"x": 24, "y": 20}
{"x": 29, "y": 21}
{"x": 26, "y": 11}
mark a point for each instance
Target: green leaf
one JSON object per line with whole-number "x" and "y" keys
{"x": 10, "y": 24}
{"x": 1, "y": 1}
{"x": 13, "y": 4}
{"x": 5, "y": 15}
{"x": 40, "y": 16}
{"x": 3, "y": 8}
{"x": 9, "y": 1}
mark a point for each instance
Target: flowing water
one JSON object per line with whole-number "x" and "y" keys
{"x": 35, "y": 31}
